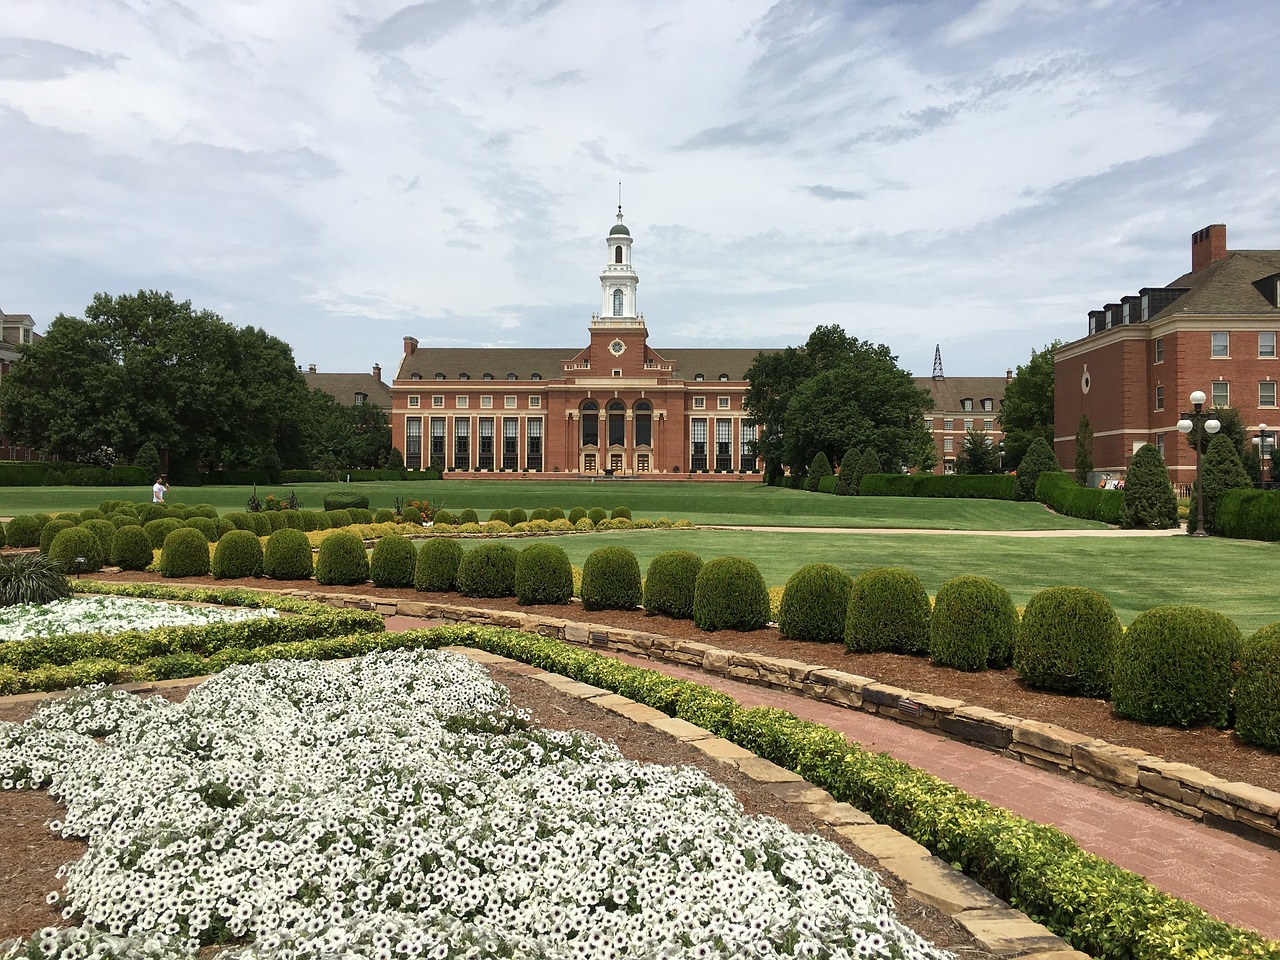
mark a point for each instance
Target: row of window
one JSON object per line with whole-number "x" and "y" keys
{"x": 462, "y": 402}
{"x": 1220, "y": 345}
{"x": 720, "y": 457}
{"x": 1220, "y": 394}
{"x": 948, "y": 423}
{"x": 987, "y": 404}
{"x": 485, "y": 453}
{"x": 698, "y": 378}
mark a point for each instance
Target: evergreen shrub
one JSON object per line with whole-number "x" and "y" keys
{"x": 847, "y": 474}
{"x": 488, "y": 570}
{"x": 414, "y": 515}
{"x": 360, "y": 515}
{"x": 238, "y": 554}
{"x": 888, "y": 610}
{"x": 827, "y": 484}
{"x": 1173, "y": 667}
{"x": 669, "y": 583}
{"x": 971, "y": 486}
{"x": 221, "y": 527}
{"x": 1038, "y": 459}
{"x": 1067, "y": 641}
{"x": 338, "y": 518}
{"x": 730, "y": 594}
{"x": 91, "y": 514}
{"x": 1244, "y": 514}
{"x": 51, "y": 530}
{"x": 597, "y": 516}
{"x": 275, "y": 520}
{"x": 468, "y": 516}
{"x": 441, "y": 518}
{"x": 819, "y": 467}
{"x": 314, "y": 520}
{"x": 124, "y": 518}
{"x": 104, "y": 530}
{"x": 185, "y": 554}
{"x": 543, "y": 575}
{"x": 620, "y": 513}
{"x": 973, "y": 624}
{"x": 436, "y": 569}
{"x": 1257, "y": 697}
{"x": 611, "y": 579}
{"x": 538, "y": 513}
{"x": 814, "y": 603}
{"x": 576, "y": 514}
{"x": 340, "y": 501}
{"x": 502, "y": 515}
{"x": 392, "y": 562}
{"x": 341, "y": 560}
{"x": 293, "y": 519}
{"x": 287, "y": 556}
{"x": 205, "y": 526}
{"x": 518, "y": 516}
{"x": 23, "y": 531}
{"x": 555, "y": 513}
{"x": 131, "y": 549}
{"x": 384, "y": 515}
{"x": 240, "y": 520}
{"x": 1148, "y": 494}
{"x": 76, "y": 550}
{"x": 887, "y": 485}
{"x": 1222, "y": 471}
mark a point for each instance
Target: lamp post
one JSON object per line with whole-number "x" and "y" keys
{"x": 1263, "y": 435}
{"x": 1001, "y": 465}
{"x": 1199, "y": 417}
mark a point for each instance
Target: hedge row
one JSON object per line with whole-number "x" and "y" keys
{"x": 999, "y": 486}
{"x": 1061, "y": 494}
{"x": 1249, "y": 514}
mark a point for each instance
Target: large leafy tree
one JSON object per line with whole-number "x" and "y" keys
{"x": 834, "y": 393}
{"x": 337, "y": 437}
{"x": 144, "y": 368}
{"x": 1027, "y": 412}
{"x": 978, "y": 455}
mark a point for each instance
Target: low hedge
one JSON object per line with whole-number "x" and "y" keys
{"x": 340, "y": 501}
{"x": 997, "y": 486}
{"x": 1061, "y": 494}
{"x": 1246, "y": 515}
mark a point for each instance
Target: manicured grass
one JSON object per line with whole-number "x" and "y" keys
{"x": 1134, "y": 573}
{"x": 705, "y": 503}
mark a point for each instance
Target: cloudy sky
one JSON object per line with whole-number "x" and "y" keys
{"x": 344, "y": 173}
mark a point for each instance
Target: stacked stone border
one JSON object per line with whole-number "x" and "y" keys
{"x": 1240, "y": 808}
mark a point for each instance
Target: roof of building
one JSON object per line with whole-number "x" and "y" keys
{"x": 948, "y": 392}
{"x": 343, "y": 387}
{"x": 1227, "y": 286}
{"x": 546, "y": 362}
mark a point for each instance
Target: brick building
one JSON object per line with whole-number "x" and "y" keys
{"x": 961, "y": 404}
{"x": 16, "y": 331}
{"x": 1213, "y": 329}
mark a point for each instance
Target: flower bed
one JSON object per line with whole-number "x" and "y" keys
{"x": 107, "y": 615}
{"x": 390, "y": 806}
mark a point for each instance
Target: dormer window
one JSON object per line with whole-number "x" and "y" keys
{"x": 617, "y": 303}
{"x": 26, "y": 334}
{"x": 361, "y": 398}
{"x": 988, "y": 403}
{"x": 535, "y": 376}
{"x": 487, "y": 376}
{"x": 512, "y": 376}
{"x": 440, "y": 376}
{"x": 698, "y": 378}
{"x": 966, "y": 404}
{"x": 724, "y": 377}
{"x": 464, "y": 376}
{"x": 415, "y": 376}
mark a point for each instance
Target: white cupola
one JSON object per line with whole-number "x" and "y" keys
{"x": 618, "y": 281}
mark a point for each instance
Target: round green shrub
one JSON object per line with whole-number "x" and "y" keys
{"x": 91, "y": 514}
{"x": 77, "y": 550}
{"x": 221, "y": 527}
{"x": 669, "y": 583}
{"x": 1067, "y": 641}
{"x": 468, "y": 516}
{"x": 206, "y": 510}
{"x": 23, "y": 531}
{"x": 517, "y": 515}
{"x": 888, "y": 610}
{"x": 543, "y": 575}
{"x": 124, "y": 518}
{"x": 104, "y": 530}
{"x": 260, "y": 524}
{"x": 360, "y": 515}
{"x": 131, "y": 549}
{"x": 384, "y": 515}
{"x": 51, "y": 530}
{"x": 205, "y": 526}
{"x": 437, "y": 565}
{"x": 611, "y": 580}
{"x": 576, "y": 514}
{"x": 342, "y": 560}
{"x": 238, "y": 554}
{"x": 275, "y": 519}
{"x": 185, "y": 554}
{"x": 42, "y": 519}
{"x": 730, "y": 594}
{"x": 412, "y": 515}
{"x": 539, "y": 513}
{"x": 441, "y": 517}
{"x": 287, "y": 555}
{"x": 71, "y": 518}
{"x": 973, "y": 624}
{"x": 150, "y": 511}
{"x": 293, "y": 519}
{"x": 502, "y": 515}
{"x": 815, "y": 602}
{"x": 555, "y": 513}
{"x": 597, "y": 515}
{"x": 1258, "y": 689}
{"x": 392, "y": 561}
{"x": 240, "y": 519}
{"x": 158, "y": 530}
{"x": 338, "y": 518}
{"x": 488, "y": 570}
{"x": 1173, "y": 667}
{"x": 313, "y": 520}
{"x": 620, "y": 513}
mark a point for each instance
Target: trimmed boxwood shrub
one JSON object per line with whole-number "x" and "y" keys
{"x": 185, "y": 554}
{"x": 543, "y": 575}
{"x": 539, "y": 513}
{"x": 104, "y": 530}
{"x": 1258, "y": 689}
{"x": 341, "y": 560}
{"x": 92, "y": 514}
{"x": 1067, "y": 641}
{"x": 392, "y": 561}
{"x": 1246, "y": 514}
{"x": 158, "y": 530}
{"x": 384, "y": 515}
{"x": 51, "y": 530}
{"x": 576, "y": 514}
{"x": 488, "y": 570}
{"x": 76, "y": 550}
{"x": 973, "y": 624}
{"x": 131, "y": 549}
{"x": 502, "y": 515}
{"x": 238, "y": 554}
{"x": 221, "y": 527}
{"x": 517, "y": 515}
{"x": 610, "y": 579}
{"x": 597, "y": 516}
{"x": 1173, "y": 667}
{"x": 340, "y": 501}
{"x": 240, "y": 519}
{"x": 555, "y": 513}
{"x": 275, "y": 520}
{"x": 124, "y": 518}
{"x": 814, "y": 603}
{"x": 436, "y": 569}
{"x": 293, "y": 519}
{"x": 287, "y": 555}
{"x": 730, "y": 594}
{"x": 338, "y": 518}
{"x": 620, "y": 513}
{"x": 23, "y": 531}
{"x": 314, "y": 520}
{"x": 468, "y": 516}
{"x": 441, "y": 518}
{"x": 205, "y": 526}
{"x": 669, "y": 583}
{"x": 888, "y": 610}
{"x": 360, "y": 515}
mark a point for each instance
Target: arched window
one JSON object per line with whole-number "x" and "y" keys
{"x": 643, "y": 429}
{"x": 724, "y": 376}
{"x": 590, "y": 415}
{"x": 617, "y": 423}
{"x": 617, "y": 303}
{"x": 512, "y": 376}
{"x": 415, "y": 376}
{"x": 617, "y": 254}
{"x": 698, "y": 378}
{"x": 535, "y": 376}
{"x": 487, "y": 376}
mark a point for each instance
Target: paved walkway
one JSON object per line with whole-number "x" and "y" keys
{"x": 1093, "y": 532}
{"x": 1233, "y": 879}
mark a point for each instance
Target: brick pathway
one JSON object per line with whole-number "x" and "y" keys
{"x": 1233, "y": 879}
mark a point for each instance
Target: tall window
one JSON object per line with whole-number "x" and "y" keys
{"x": 1159, "y": 397}
{"x": 966, "y": 404}
{"x": 617, "y": 423}
{"x": 1159, "y": 349}
{"x": 1221, "y": 344}
{"x": 486, "y": 443}
{"x": 617, "y": 254}
{"x": 533, "y": 437}
{"x": 437, "y": 442}
{"x": 724, "y": 444}
{"x": 591, "y": 424}
{"x": 1221, "y": 394}
{"x": 510, "y": 443}
{"x": 617, "y": 303}
{"x": 747, "y": 447}
{"x": 1267, "y": 393}
{"x": 461, "y": 443}
{"x": 644, "y": 423}
{"x": 946, "y": 445}
{"x": 413, "y": 443}
{"x": 698, "y": 444}
{"x": 1267, "y": 344}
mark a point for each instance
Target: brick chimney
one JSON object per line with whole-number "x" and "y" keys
{"x": 377, "y": 372}
{"x": 311, "y": 368}
{"x": 1208, "y": 246}
{"x": 410, "y": 345}
{"x": 1008, "y": 375}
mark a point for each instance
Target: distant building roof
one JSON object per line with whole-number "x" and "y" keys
{"x": 350, "y": 388}
{"x": 950, "y": 392}
{"x": 544, "y": 363}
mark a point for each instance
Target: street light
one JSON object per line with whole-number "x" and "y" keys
{"x": 1262, "y": 453}
{"x": 1001, "y": 456}
{"x": 1196, "y": 418}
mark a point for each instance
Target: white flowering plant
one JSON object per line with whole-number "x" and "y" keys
{"x": 108, "y": 615}
{"x": 396, "y": 806}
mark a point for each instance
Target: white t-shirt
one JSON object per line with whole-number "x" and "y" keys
{"x": 157, "y": 492}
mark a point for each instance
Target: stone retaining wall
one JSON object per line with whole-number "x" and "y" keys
{"x": 1240, "y": 808}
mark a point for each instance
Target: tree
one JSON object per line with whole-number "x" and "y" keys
{"x": 869, "y": 462}
{"x": 1221, "y": 470}
{"x": 1084, "y": 451}
{"x": 977, "y": 453}
{"x": 1231, "y": 424}
{"x": 773, "y": 377}
{"x": 148, "y": 458}
{"x": 1148, "y": 494}
{"x": 144, "y": 368}
{"x": 1027, "y": 411}
{"x": 819, "y": 468}
{"x": 848, "y": 473}
{"x": 1038, "y": 459}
